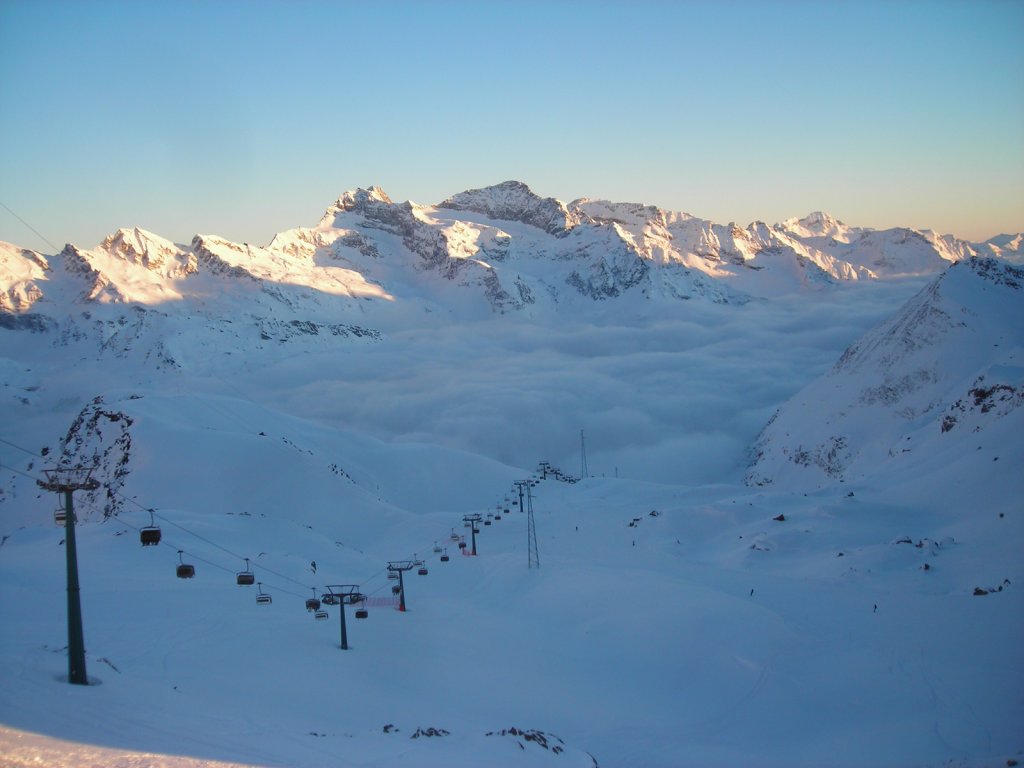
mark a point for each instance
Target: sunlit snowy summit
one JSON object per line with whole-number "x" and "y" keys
{"x": 497, "y": 249}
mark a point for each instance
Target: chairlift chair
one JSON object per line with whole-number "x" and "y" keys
{"x": 422, "y": 571}
{"x": 330, "y": 599}
{"x": 60, "y": 517}
{"x": 245, "y": 578}
{"x": 393, "y": 575}
{"x": 444, "y": 557}
{"x": 320, "y": 615}
{"x": 437, "y": 547}
{"x": 312, "y": 603}
{"x": 462, "y": 545}
{"x": 184, "y": 571}
{"x": 362, "y": 613}
{"x": 487, "y": 522}
{"x": 149, "y": 535}
{"x": 396, "y": 590}
{"x": 262, "y": 598}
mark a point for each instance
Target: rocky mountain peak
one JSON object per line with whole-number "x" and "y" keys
{"x": 817, "y": 224}
{"x": 515, "y": 201}
{"x": 358, "y": 200}
{"x": 139, "y": 247}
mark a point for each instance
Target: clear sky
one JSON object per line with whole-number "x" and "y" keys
{"x": 245, "y": 118}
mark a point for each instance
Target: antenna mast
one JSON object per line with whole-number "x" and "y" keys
{"x": 533, "y": 557}
{"x": 583, "y": 456}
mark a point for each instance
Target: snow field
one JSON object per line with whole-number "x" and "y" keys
{"x": 708, "y": 634}
{"x": 647, "y": 654}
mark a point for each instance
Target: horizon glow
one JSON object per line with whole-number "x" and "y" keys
{"x": 186, "y": 118}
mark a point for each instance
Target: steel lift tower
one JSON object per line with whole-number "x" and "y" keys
{"x": 533, "y": 556}
{"x": 67, "y": 481}
{"x": 473, "y": 520}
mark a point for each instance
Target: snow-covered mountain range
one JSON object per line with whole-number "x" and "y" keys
{"x": 499, "y": 249}
{"x": 723, "y": 586}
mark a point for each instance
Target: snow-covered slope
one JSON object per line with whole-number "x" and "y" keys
{"x": 340, "y": 398}
{"x": 666, "y": 625}
{"x": 933, "y": 381}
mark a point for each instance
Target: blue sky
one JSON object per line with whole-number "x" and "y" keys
{"x": 246, "y": 118}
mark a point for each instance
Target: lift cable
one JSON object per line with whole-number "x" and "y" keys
{"x": 212, "y": 543}
{"x": 208, "y": 541}
{"x": 24, "y": 450}
{"x": 193, "y": 555}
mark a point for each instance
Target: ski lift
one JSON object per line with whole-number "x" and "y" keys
{"x": 444, "y": 557}
{"x": 312, "y": 604}
{"x": 185, "y": 571}
{"x": 462, "y": 545}
{"x": 393, "y": 575}
{"x": 437, "y": 547}
{"x": 262, "y": 598}
{"x": 245, "y": 578}
{"x": 422, "y": 571}
{"x": 149, "y": 535}
{"x": 487, "y": 522}
{"x": 396, "y": 590}
{"x": 497, "y": 517}
{"x": 320, "y": 615}
{"x": 465, "y": 525}
{"x": 362, "y": 613}
{"x": 330, "y": 599}
{"x": 454, "y": 536}
{"x": 60, "y": 517}
{"x": 515, "y": 502}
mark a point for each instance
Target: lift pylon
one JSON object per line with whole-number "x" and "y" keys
{"x": 400, "y": 567}
{"x": 342, "y": 595}
{"x": 472, "y": 520}
{"x": 67, "y": 481}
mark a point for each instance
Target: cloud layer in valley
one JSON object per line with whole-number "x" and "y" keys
{"x": 677, "y": 400}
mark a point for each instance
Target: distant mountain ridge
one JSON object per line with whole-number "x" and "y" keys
{"x": 498, "y": 249}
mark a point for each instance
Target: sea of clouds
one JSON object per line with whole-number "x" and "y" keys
{"x": 674, "y": 397}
